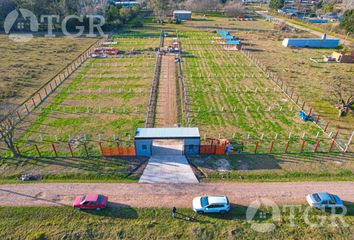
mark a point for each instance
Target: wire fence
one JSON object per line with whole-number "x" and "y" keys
{"x": 150, "y": 116}
{"x": 39, "y": 96}
{"x": 301, "y": 104}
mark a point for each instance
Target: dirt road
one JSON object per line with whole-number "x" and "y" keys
{"x": 166, "y": 109}
{"x": 167, "y": 195}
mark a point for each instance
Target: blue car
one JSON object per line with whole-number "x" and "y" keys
{"x": 324, "y": 200}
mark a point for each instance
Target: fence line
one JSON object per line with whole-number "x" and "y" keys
{"x": 291, "y": 95}
{"x": 183, "y": 85}
{"x": 89, "y": 148}
{"x": 39, "y": 96}
{"x": 150, "y": 116}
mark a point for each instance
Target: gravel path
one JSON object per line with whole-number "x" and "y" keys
{"x": 167, "y": 195}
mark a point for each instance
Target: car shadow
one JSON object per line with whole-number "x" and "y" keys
{"x": 236, "y": 212}
{"x": 350, "y": 208}
{"x": 114, "y": 210}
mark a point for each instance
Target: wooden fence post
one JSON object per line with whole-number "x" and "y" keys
{"x": 318, "y": 143}
{"x": 297, "y": 99}
{"x": 330, "y": 149}
{"x": 286, "y": 147}
{"x": 255, "y": 149}
{"x": 302, "y": 146}
{"x": 55, "y": 150}
{"x": 310, "y": 112}
{"x": 18, "y": 115}
{"x": 318, "y": 118}
{"x": 34, "y": 103}
{"x": 303, "y": 105}
{"x": 87, "y": 155}
{"x": 101, "y": 148}
{"x": 39, "y": 153}
{"x": 335, "y": 136}
{"x": 26, "y": 108}
{"x": 325, "y": 129}
{"x": 71, "y": 150}
{"x": 45, "y": 90}
{"x": 271, "y": 147}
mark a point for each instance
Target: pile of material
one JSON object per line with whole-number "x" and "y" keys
{"x": 341, "y": 57}
{"x": 106, "y": 50}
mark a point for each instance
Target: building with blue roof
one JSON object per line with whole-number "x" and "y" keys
{"x": 227, "y": 37}
{"x": 144, "y": 138}
{"x": 323, "y": 42}
{"x": 223, "y": 32}
{"x": 232, "y": 45}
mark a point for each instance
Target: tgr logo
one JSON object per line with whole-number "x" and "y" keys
{"x": 22, "y": 18}
{"x": 253, "y": 211}
{"x": 12, "y": 20}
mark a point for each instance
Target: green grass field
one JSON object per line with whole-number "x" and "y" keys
{"x": 106, "y": 100}
{"x": 231, "y": 98}
{"x": 130, "y": 223}
{"x": 126, "y": 169}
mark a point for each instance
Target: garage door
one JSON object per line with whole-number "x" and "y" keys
{"x": 167, "y": 147}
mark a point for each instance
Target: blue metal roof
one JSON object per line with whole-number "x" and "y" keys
{"x": 227, "y": 37}
{"x": 160, "y": 133}
{"x": 222, "y": 32}
{"x": 311, "y": 42}
{"x": 233, "y": 42}
{"x": 181, "y": 12}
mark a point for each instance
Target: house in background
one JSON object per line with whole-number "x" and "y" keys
{"x": 323, "y": 42}
{"x": 182, "y": 15}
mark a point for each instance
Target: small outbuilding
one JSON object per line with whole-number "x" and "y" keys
{"x": 232, "y": 45}
{"x": 182, "y": 15}
{"x": 222, "y": 32}
{"x": 145, "y": 137}
{"x": 323, "y": 42}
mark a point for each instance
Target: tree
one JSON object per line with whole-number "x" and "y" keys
{"x": 159, "y": 7}
{"x": 125, "y": 14}
{"x": 233, "y": 9}
{"x": 276, "y": 4}
{"x": 347, "y": 22}
{"x": 348, "y": 4}
{"x": 342, "y": 90}
{"x": 7, "y": 132}
{"x": 202, "y": 6}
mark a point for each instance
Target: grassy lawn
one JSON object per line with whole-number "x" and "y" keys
{"x": 24, "y": 67}
{"x": 231, "y": 98}
{"x": 73, "y": 169}
{"x": 130, "y": 223}
{"x": 275, "y": 167}
{"x": 105, "y": 100}
{"x": 309, "y": 79}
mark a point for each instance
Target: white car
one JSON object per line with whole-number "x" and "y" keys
{"x": 327, "y": 200}
{"x": 211, "y": 204}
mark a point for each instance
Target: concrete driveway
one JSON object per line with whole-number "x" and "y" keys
{"x": 168, "y": 164}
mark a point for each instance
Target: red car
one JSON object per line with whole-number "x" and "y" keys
{"x": 90, "y": 201}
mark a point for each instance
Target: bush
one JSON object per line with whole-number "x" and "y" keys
{"x": 347, "y": 22}
{"x": 137, "y": 24}
{"x": 276, "y": 4}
